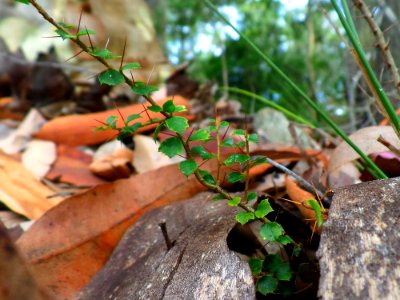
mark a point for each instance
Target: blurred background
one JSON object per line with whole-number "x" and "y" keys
{"x": 173, "y": 37}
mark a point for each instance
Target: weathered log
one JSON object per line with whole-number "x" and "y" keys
{"x": 198, "y": 266}
{"x": 360, "y": 243}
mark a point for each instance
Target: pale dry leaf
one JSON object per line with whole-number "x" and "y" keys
{"x": 366, "y": 140}
{"x": 39, "y": 157}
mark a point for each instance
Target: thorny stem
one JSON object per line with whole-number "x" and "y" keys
{"x": 247, "y": 176}
{"x": 130, "y": 82}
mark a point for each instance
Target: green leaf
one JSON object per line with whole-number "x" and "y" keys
{"x": 132, "y": 128}
{"x": 212, "y": 121}
{"x": 104, "y": 54}
{"x": 207, "y": 177}
{"x": 65, "y": 25}
{"x": 236, "y": 158}
{"x": 212, "y": 128}
{"x": 271, "y": 231}
{"x": 169, "y": 106}
{"x": 267, "y": 285}
{"x": 101, "y": 128}
{"x": 123, "y": 135}
{"x": 235, "y": 177}
{"x": 263, "y": 209}
{"x": 239, "y": 132}
{"x": 296, "y": 251}
{"x": 154, "y": 108}
{"x": 132, "y": 117}
{"x": 141, "y": 89}
{"x": 218, "y": 197}
{"x": 64, "y": 35}
{"x": 171, "y": 147}
{"x": 188, "y": 167}
{"x": 200, "y": 135}
{"x": 258, "y": 160}
{"x": 256, "y": 265}
{"x": 284, "y": 240}
{"x": 251, "y": 196}
{"x": 234, "y": 201}
{"x": 180, "y": 108}
{"x": 201, "y": 151}
{"x": 85, "y": 32}
{"x": 157, "y": 131}
{"x": 244, "y": 216}
{"x": 241, "y": 144}
{"x": 111, "y": 77}
{"x": 111, "y": 121}
{"x": 317, "y": 209}
{"x": 274, "y": 264}
{"x": 253, "y": 138}
{"x": 177, "y": 124}
{"x": 131, "y": 66}
{"x": 224, "y": 124}
{"x": 228, "y": 142}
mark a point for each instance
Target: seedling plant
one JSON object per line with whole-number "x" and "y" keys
{"x": 268, "y": 271}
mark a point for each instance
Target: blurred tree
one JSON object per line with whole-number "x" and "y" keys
{"x": 300, "y": 41}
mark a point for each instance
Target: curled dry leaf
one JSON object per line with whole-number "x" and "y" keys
{"x": 115, "y": 166}
{"x": 299, "y": 195}
{"x": 366, "y": 140}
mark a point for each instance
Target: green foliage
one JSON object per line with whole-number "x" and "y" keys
{"x": 188, "y": 167}
{"x": 177, "y": 124}
{"x": 256, "y": 265}
{"x": 267, "y": 284}
{"x": 131, "y": 66}
{"x": 243, "y": 217}
{"x": 111, "y": 77}
{"x": 271, "y": 231}
{"x": 236, "y": 158}
{"x": 235, "y": 177}
{"x": 271, "y": 270}
{"x": 23, "y": 1}
{"x": 317, "y": 209}
{"x": 104, "y": 54}
{"x": 263, "y": 209}
{"x": 171, "y": 147}
{"x": 200, "y": 135}
{"x": 201, "y": 151}
{"x": 141, "y": 89}
{"x": 234, "y": 201}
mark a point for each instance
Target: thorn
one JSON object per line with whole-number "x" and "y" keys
{"x": 73, "y": 56}
{"x": 164, "y": 231}
{"x": 90, "y": 40}
{"x": 79, "y": 22}
{"x": 123, "y": 55}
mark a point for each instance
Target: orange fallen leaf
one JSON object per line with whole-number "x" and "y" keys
{"x": 21, "y": 191}
{"x": 76, "y": 130}
{"x": 72, "y": 241}
{"x": 299, "y": 195}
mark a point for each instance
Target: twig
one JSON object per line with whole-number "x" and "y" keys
{"x": 381, "y": 42}
{"x": 304, "y": 183}
{"x": 388, "y": 145}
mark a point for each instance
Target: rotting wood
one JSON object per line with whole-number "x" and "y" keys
{"x": 360, "y": 243}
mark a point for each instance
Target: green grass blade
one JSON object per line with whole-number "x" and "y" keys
{"x": 384, "y": 100}
{"x": 272, "y": 104}
{"x": 310, "y": 102}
